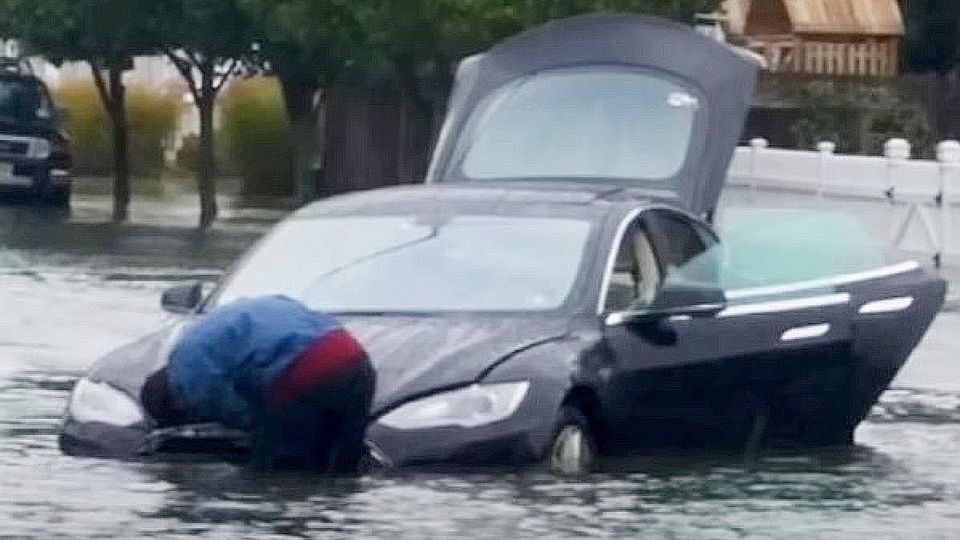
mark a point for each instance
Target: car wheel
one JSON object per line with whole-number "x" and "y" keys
{"x": 572, "y": 451}
{"x": 58, "y": 197}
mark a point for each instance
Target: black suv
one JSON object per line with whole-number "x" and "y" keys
{"x": 34, "y": 154}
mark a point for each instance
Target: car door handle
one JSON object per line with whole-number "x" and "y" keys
{"x": 810, "y": 331}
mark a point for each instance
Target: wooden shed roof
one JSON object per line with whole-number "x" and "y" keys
{"x": 847, "y": 17}
{"x": 735, "y": 12}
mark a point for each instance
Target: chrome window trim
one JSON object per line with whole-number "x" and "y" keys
{"x": 843, "y": 279}
{"x": 744, "y": 294}
{"x": 780, "y": 306}
{"x": 625, "y": 223}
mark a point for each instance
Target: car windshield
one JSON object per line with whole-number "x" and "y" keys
{"x": 23, "y": 101}
{"x": 404, "y": 264}
{"x": 599, "y": 123}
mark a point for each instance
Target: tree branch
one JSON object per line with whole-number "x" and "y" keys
{"x": 101, "y": 86}
{"x": 225, "y": 76}
{"x": 185, "y": 67}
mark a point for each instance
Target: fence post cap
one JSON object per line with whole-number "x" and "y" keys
{"x": 826, "y": 147}
{"x": 897, "y": 149}
{"x": 759, "y": 142}
{"x": 948, "y": 151}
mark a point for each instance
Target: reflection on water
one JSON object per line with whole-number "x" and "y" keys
{"x": 59, "y": 312}
{"x": 903, "y": 469}
{"x": 901, "y": 481}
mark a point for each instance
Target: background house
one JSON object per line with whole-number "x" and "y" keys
{"x": 835, "y": 72}
{"x": 820, "y": 37}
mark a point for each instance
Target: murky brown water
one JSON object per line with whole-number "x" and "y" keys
{"x": 65, "y": 299}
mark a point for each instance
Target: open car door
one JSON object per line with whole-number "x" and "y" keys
{"x": 803, "y": 351}
{"x": 870, "y": 322}
{"x": 626, "y": 100}
{"x": 816, "y": 287}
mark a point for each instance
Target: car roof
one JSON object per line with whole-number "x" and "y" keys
{"x": 535, "y": 199}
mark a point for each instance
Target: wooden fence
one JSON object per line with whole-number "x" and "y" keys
{"x": 872, "y": 58}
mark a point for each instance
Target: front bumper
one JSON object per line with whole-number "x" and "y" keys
{"x": 524, "y": 437}
{"x": 35, "y": 175}
{"x": 93, "y": 439}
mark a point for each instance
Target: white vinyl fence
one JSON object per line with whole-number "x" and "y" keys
{"x": 917, "y": 193}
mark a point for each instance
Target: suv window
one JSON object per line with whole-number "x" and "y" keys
{"x": 24, "y": 100}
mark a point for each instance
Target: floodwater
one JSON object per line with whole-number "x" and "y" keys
{"x": 72, "y": 289}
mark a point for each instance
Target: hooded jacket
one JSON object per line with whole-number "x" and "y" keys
{"x": 228, "y": 362}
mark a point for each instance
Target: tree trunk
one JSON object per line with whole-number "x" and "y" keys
{"x": 113, "y": 95}
{"x": 121, "y": 153}
{"x": 206, "y": 159}
{"x": 299, "y": 95}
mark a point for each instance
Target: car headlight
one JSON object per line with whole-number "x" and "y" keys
{"x": 40, "y": 148}
{"x": 100, "y": 402}
{"x": 468, "y": 407}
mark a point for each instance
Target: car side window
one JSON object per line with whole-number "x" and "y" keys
{"x": 636, "y": 277}
{"x": 687, "y": 252}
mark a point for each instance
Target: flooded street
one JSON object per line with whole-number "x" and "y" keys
{"x": 71, "y": 289}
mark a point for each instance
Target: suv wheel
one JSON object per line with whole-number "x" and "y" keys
{"x": 57, "y": 196}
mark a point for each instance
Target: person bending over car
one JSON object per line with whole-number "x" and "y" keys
{"x": 292, "y": 378}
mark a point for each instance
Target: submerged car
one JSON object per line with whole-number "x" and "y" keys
{"x": 557, "y": 292}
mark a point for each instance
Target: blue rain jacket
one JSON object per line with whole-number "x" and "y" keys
{"x": 227, "y": 361}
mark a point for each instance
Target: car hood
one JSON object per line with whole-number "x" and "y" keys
{"x": 36, "y": 128}
{"x": 129, "y": 366}
{"x": 413, "y": 356}
{"x": 725, "y": 78}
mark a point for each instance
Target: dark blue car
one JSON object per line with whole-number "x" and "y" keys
{"x": 556, "y": 292}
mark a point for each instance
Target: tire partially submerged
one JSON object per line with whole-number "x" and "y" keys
{"x": 573, "y": 450}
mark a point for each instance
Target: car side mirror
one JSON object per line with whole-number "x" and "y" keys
{"x": 182, "y": 299}
{"x": 674, "y": 300}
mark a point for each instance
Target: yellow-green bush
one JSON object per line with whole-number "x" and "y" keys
{"x": 87, "y": 126}
{"x": 256, "y": 137}
{"x": 152, "y": 115}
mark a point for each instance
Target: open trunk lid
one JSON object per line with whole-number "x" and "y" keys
{"x": 624, "y": 100}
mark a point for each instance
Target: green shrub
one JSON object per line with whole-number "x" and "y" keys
{"x": 256, "y": 137}
{"x": 860, "y": 118}
{"x": 152, "y": 114}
